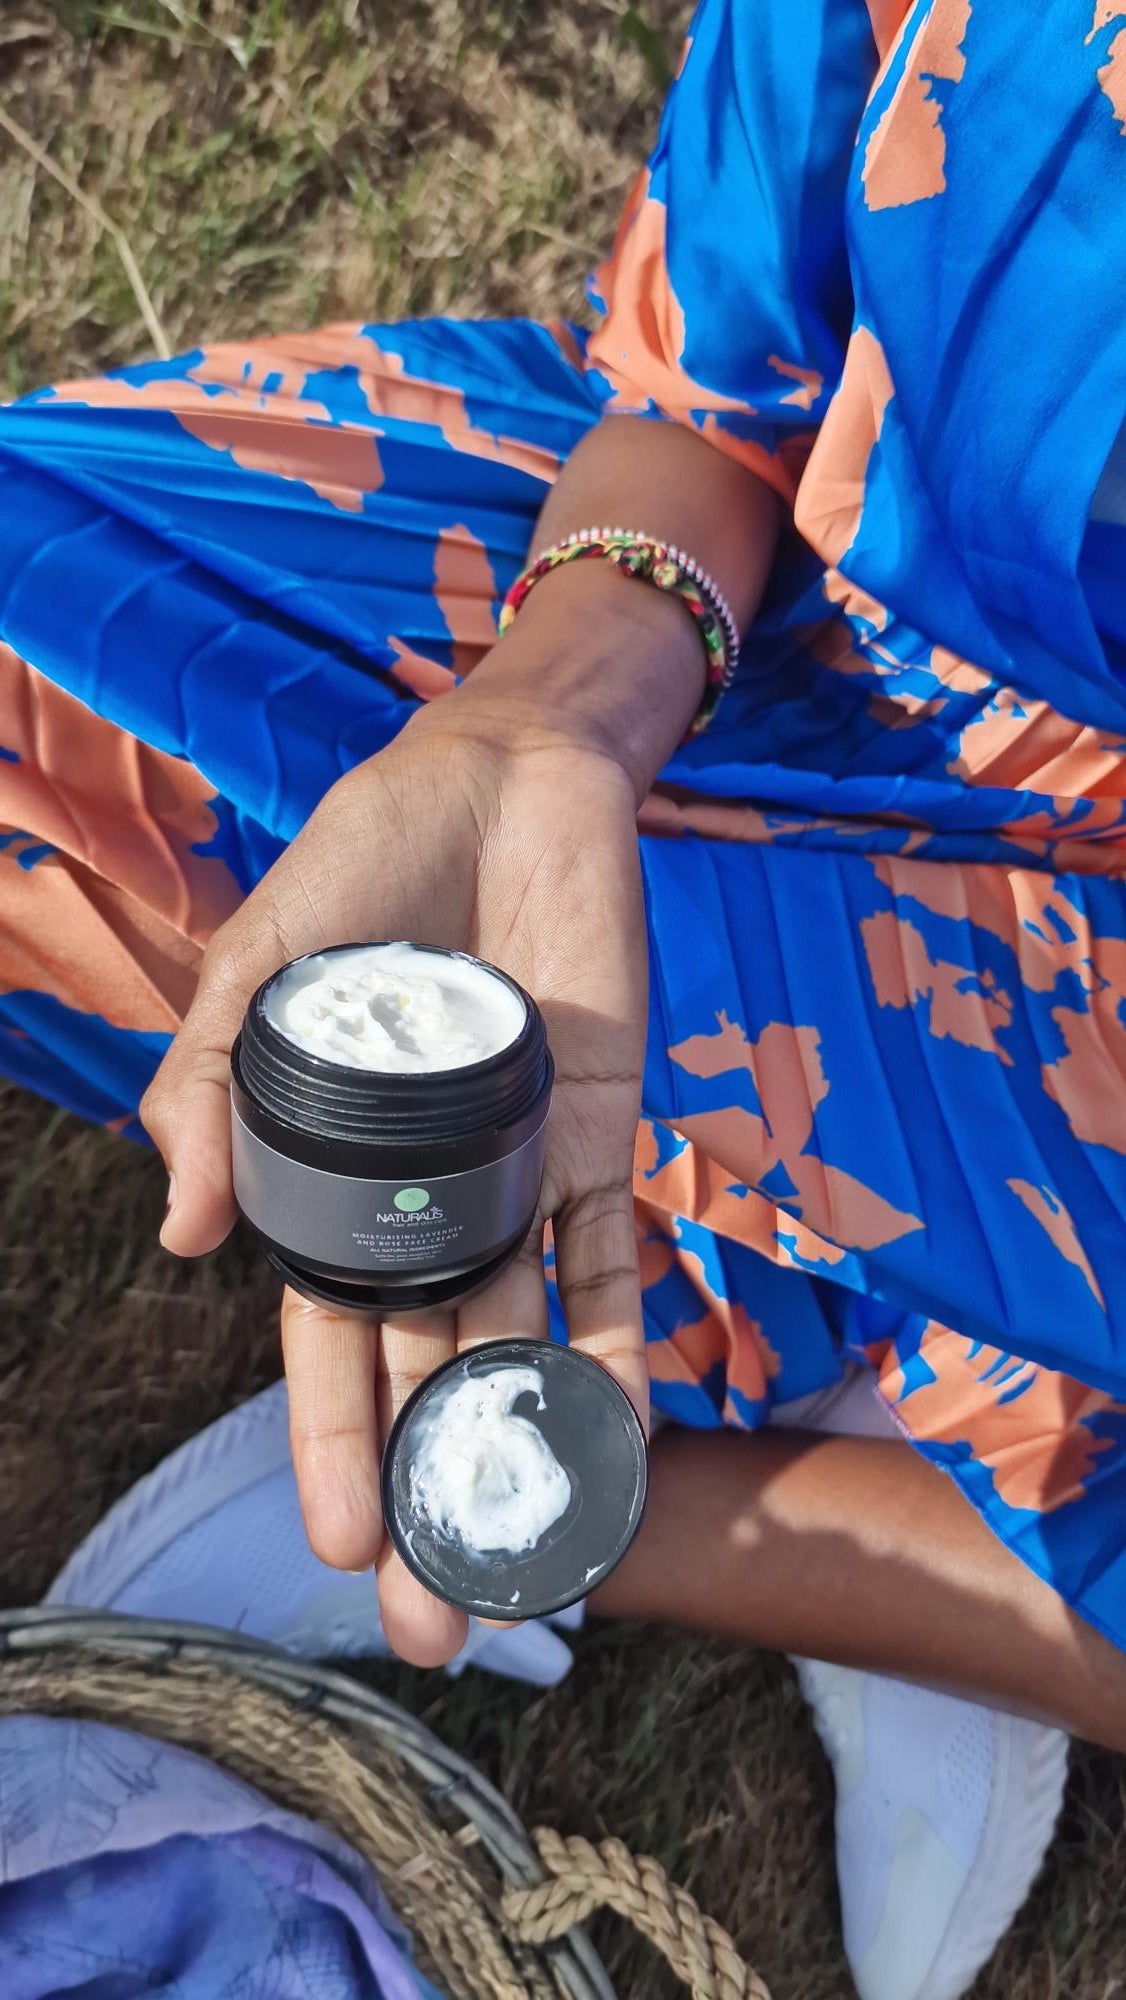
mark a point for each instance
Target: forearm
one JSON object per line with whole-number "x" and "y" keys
{"x": 598, "y": 657}
{"x": 666, "y": 480}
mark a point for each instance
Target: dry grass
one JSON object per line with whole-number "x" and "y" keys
{"x": 276, "y": 164}
{"x": 271, "y": 165}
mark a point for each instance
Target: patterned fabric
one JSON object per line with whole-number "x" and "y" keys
{"x": 876, "y": 256}
{"x": 130, "y": 1867}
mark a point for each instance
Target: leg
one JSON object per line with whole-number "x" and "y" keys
{"x": 829, "y": 1167}
{"x": 857, "y": 1551}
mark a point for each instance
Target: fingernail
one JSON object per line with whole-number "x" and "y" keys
{"x": 170, "y": 1205}
{"x": 360, "y": 1572}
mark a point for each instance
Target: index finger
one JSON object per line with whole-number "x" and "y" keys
{"x": 330, "y": 1366}
{"x": 419, "y": 1627}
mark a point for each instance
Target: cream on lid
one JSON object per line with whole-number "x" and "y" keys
{"x": 395, "y": 1008}
{"x": 482, "y": 1473}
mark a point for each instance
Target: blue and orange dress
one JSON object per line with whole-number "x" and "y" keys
{"x": 878, "y": 257}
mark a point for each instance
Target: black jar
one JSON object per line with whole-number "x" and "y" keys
{"x": 379, "y": 1192}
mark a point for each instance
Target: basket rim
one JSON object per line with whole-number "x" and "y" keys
{"x": 324, "y": 1690}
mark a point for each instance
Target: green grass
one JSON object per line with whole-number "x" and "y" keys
{"x": 271, "y": 165}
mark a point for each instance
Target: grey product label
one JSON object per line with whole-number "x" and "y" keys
{"x": 363, "y": 1225}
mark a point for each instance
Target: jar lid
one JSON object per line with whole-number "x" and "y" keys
{"x": 583, "y": 1469}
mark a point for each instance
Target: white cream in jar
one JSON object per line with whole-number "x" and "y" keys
{"x": 395, "y": 1008}
{"x": 483, "y": 1474}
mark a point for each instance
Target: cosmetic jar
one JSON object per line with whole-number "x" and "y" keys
{"x": 388, "y": 1112}
{"x": 514, "y": 1479}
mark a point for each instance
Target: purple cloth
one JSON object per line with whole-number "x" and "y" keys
{"x": 129, "y": 1868}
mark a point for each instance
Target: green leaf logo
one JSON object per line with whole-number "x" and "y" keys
{"x": 410, "y": 1200}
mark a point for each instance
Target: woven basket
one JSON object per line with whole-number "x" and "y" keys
{"x": 493, "y": 1916}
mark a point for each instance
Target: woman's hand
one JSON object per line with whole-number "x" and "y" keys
{"x": 502, "y": 822}
{"x": 483, "y": 830}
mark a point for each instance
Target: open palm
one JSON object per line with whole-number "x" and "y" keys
{"x": 527, "y": 857}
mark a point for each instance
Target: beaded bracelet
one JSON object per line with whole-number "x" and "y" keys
{"x": 660, "y": 563}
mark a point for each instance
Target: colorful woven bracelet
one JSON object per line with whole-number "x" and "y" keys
{"x": 660, "y": 563}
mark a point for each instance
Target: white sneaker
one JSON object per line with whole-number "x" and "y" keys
{"x": 944, "y": 1815}
{"x": 214, "y": 1536}
{"x": 944, "y": 1809}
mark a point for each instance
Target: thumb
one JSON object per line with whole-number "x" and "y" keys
{"x": 187, "y": 1108}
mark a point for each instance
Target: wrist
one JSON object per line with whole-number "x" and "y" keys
{"x": 597, "y": 662}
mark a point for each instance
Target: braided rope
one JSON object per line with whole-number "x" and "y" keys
{"x": 585, "y": 1878}
{"x": 311, "y": 1768}
{"x": 286, "y": 1729}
